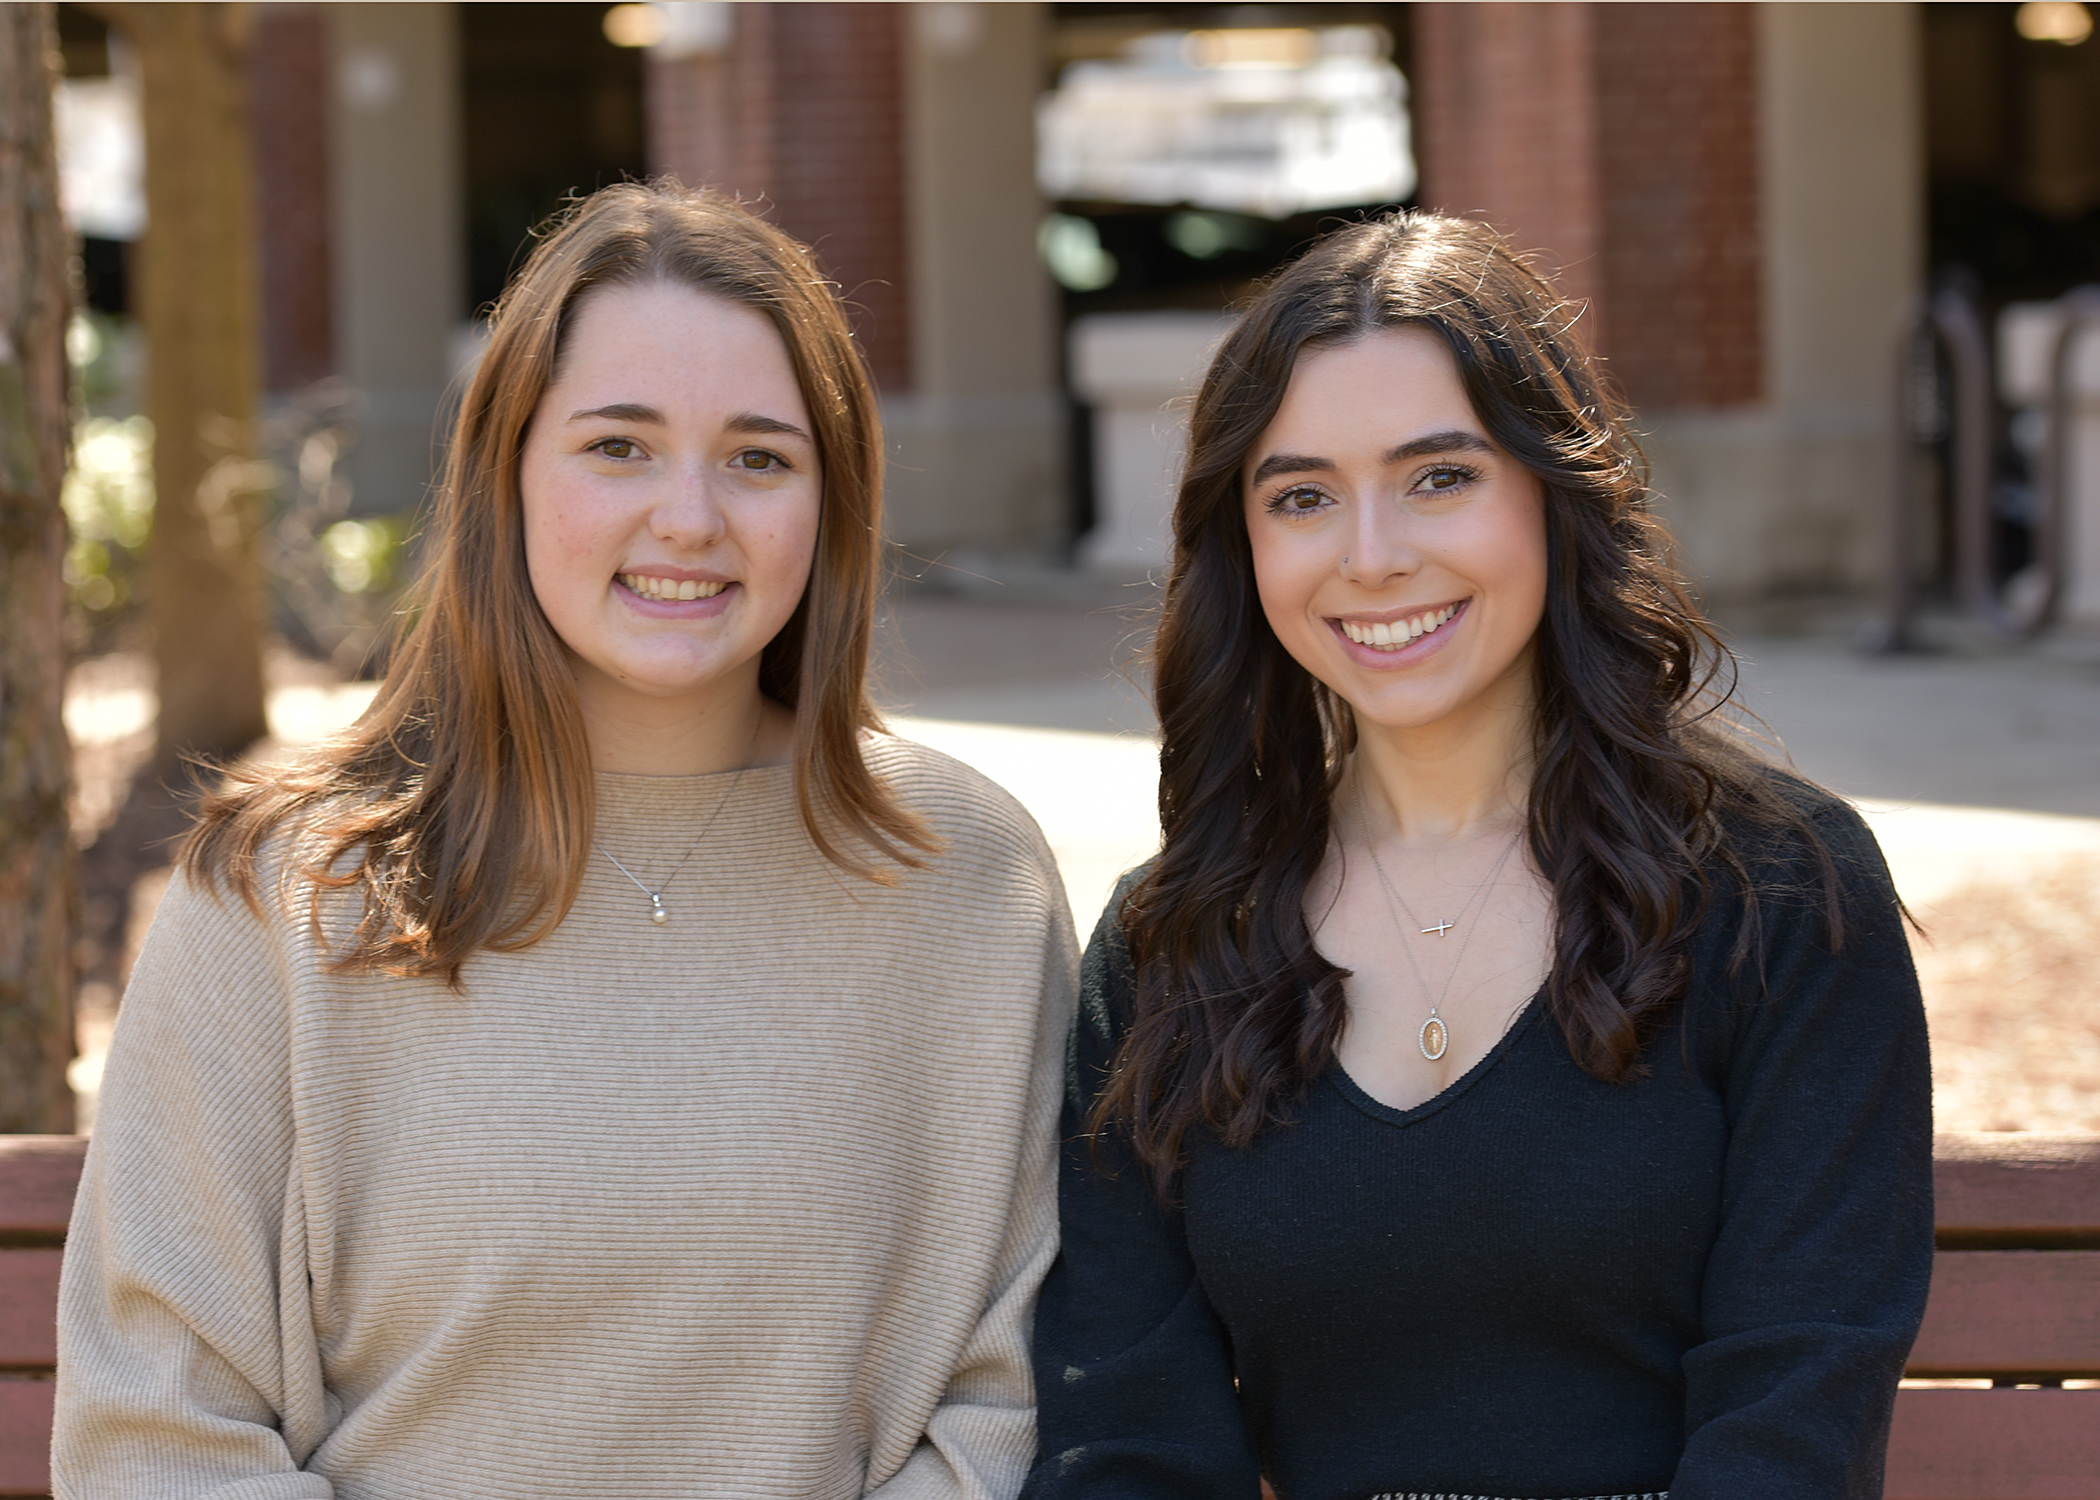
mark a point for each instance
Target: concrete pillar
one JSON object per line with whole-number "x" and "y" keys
{"x": 1787, "y": 495}
{"x": 978, "y": 442}
{"x": 1138, "y": 372}
{"x": 399, "y": 237}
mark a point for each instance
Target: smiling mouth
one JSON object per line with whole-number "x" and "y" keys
{"x": 671, "y": 588}
{"x": 1393, "y": 635}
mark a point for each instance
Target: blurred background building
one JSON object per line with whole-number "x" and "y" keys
{"x": 1042, "y": 214}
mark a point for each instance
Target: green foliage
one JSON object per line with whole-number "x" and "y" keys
{"x": 365, "y": 556}
{"x": 108, "y": 498}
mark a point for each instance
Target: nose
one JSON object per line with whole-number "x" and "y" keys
{"x": 1380, "y": 546}
{"x": 688, "y": 513}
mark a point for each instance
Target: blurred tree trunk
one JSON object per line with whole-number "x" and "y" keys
{"x": 199, "y": 304}
{"x": 36, "y": 845}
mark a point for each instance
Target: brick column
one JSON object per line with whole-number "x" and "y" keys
{"x": 1620, "y": 142}
{"x": 1683, "y": 272}
{"x": 1506, "y": 127}
{"x": 290, "y": 86}
{"x": 802, "y": 115}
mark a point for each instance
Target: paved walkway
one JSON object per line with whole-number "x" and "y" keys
{"x": 1970, "y": 766}
{"x": 1980, "y": 773}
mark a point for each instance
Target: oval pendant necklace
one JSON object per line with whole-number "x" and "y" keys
{"x": 1434, "y": 1036}
{"x": 658, "y": 913}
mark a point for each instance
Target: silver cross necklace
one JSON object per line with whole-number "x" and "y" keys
{"x": 1434, "y": 1038}
{"x": 657, "y": 911}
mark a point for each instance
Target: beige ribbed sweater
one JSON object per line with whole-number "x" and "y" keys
{"x": 751, "y": 1204}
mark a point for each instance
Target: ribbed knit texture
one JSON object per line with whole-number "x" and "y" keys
{"x": 751, "y": 1204}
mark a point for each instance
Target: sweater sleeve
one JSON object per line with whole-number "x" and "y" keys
{"x": 187, "y": 1360}
{"x": 1816, "y": 1284}
{"x": 980, "y": 1438}
{"x": 1134, "y": 1368}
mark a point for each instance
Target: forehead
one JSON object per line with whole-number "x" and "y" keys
{"x": 1364, "y": 402}
{"x": 1389, "y": 371}
{"x": 666, "y": 331}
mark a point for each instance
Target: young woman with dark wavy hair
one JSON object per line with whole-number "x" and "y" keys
{"x": 1502, "y": 1083}
{"x": 614, "y": 1067}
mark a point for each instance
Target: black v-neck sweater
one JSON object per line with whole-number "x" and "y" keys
{"x": 1535, "y": 1284}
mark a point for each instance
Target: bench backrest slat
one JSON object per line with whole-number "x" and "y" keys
{"x": 2016, "y": 1190}
{"x": 28, "y": 1299}
{"x": 38, "y": 1176}
{"x": 1994, "y": 1445}
{"x": 2012, "y": 1315}
{"x": 25, "y": 1435}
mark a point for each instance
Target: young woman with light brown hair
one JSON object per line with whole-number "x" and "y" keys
{"x": 614, "y": 1066}
{"x": 1502, "y": 1084}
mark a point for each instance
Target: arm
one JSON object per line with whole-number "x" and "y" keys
{"x": 979, "y": 1439}
{"x": 187, "y": 1361}
{"x": 1816, "y": 1283}
{"x": 1133, "y": 1367}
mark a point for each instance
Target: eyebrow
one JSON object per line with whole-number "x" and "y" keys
{"x": 1454, "y": 440}
{"x": 753, "y": 422}
{"x": 620, "y": 411}
{"x": 635, "y": 411}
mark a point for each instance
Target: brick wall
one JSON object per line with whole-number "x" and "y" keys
{"x": 1677, "y": 108}
{"x": 1620, "y": 142}
{"x": 802, "y": 116}
{"x": 290, "y": 89}
{"x": 1506, "y": 127}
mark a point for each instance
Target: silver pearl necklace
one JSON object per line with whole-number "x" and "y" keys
{"x": 1434, "y": 1037}
{"x": 658, "y": 913}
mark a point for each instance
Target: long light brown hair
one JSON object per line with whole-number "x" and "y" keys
{"x": 461, "y": 804}
{"x": 1632, "y": 787}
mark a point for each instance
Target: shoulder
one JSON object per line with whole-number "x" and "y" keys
{"x": 965, "y": 807}
{"x": 213, "y": 965}
{"x": 1107, "y": 975}
{"x": 1787, "y": 831}
{"x": 1814, "y": 804}
{"x": 1803, "y": 881}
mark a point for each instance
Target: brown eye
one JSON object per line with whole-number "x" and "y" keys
{"x": 1443, "y": 480}
{"x": 617, "y": 448}
{"x": 758, "y": 459}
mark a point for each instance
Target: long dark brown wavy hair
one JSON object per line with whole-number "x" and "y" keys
{"x": 461, "y": 804}
{"x": 1236, "y": 1009}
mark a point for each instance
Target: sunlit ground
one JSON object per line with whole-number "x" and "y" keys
{"x": 2006, "y": 895}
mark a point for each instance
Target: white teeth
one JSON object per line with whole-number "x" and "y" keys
{"x": 1391, "y": 636}
{"x": 670, "y": 588}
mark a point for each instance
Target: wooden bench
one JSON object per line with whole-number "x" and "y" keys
{"x": 38, "y": 1174}
{"x": 2015, "y": 1315}
{"x": 2015, "y": 1303}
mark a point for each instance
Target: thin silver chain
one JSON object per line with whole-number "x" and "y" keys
{"x": 657, "y": 913}
{"x": 1465, "y": 938}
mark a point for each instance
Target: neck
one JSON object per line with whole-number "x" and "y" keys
{"x": 689, "y": 735}
{"x": 1446, "y": 783}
